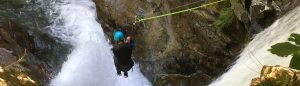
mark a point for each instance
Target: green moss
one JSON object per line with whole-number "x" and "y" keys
{"x": 239, "y": 1}
{"x": 225, "y": 18}
{"x": 18, "y": 3}
{"x": 13, "y": 3}
{"x": 285, "y": 2}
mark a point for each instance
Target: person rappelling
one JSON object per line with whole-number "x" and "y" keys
{"x": 122, "y": 48}
{"x": 122, "y": 51}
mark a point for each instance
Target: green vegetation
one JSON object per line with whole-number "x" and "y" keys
{"x": 285, "y": 2}
{"x": 18, "y": 3}
{"x": 289, "y": 48}
{"x": 225, "y": 18}
{"x": 14, "y": 3}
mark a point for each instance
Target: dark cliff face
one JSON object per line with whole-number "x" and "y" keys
{"x": 23, "y": 26}
{"x": 35, "y": 55}
{"x": 259, "y": 14}
{"x": 184, "y": 44}
{"x": 189, "y": 44}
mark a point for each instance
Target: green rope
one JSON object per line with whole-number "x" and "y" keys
{"x": 168, "y": 14}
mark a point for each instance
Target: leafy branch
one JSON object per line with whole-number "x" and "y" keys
{"x": 289, "y": 48}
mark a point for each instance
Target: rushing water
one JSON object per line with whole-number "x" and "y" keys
{"x": 255, "y": 55}
{"x": 91, "y": 61}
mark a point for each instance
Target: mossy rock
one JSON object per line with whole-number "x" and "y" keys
{"x": 13, "y": 3}
{"x": 15, "y": 78}
{"x": 18, "y": 3}
{"x": 225, "y": 18}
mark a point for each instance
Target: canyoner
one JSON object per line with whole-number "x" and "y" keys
{"x": 122, "y": 50}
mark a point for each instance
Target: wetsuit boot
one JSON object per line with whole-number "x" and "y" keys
{"x": 125, "y": 74}
{"x": 119, "y": 73}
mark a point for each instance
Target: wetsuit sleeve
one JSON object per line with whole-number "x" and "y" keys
{"x": 113, "y": 50}
{"x": 132, "y": 44}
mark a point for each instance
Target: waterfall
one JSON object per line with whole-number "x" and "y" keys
{"x": 256, "y": 53}
{"x": 91, "y": 60}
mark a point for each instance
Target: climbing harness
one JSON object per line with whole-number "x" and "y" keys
{"x": 173, "y": 13}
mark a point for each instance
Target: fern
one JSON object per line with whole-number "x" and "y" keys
{"x": 225, "y": 18}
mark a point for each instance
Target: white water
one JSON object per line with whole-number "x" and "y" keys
{"x": 91, "y": 61}
{"x": 255, "y": 54}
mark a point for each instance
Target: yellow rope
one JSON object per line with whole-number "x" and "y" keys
{"x": 168, "y": 14}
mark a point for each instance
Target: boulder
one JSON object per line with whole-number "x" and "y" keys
{"x": 16, "y": 54}
{"x": 277, "y": 76}
{"x": 259, "y": 14}
{"x": 6, "y": 56}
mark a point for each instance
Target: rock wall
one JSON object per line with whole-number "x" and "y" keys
{"x": 277, "y": 76}
{"x": 23, "y": 27}
{"x": 30, "y": 53}
{"x": 188, "y": 44}
{"x": 259, "y": 14}
{"x": 17, "y": 59}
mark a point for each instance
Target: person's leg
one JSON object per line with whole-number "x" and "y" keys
{"x": 126, "y": 69}
{"x": 123, "y": 69}
{"x": 119, "y": 73}
{"x": 117, "y": 66}
{"x": 118, "y": 70}
{"x": 125, "y": 74}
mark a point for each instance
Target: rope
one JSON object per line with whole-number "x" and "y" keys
{"x": 250, "y": 68}
{"x": 173, "y": 13}
{"x": 250, "y": 52}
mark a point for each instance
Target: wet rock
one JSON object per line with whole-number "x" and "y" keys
{"x": 264, "y": 12}
{"x": 187, "y": 43}
{"x": 16, "y": 48}
{"x": 181, "y": 44}
{"x": 14, "y": 35}
{"x": 277, "y": 76}
{"x": 240, "y": 10}
{"x": 6, "y": 56}
{"x": 259, "y": 14}
{"x": 197, "y": 79}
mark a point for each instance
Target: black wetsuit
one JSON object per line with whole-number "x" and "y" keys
{"x": 122, "y": 57}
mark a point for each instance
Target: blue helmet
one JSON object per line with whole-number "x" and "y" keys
{"x": 118, "y": 36}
